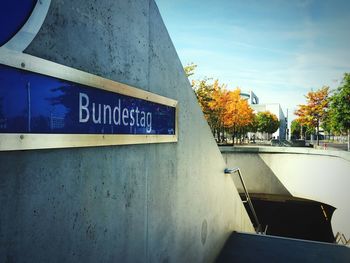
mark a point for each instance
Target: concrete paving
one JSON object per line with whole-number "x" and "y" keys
{"x": 242, "y": 247}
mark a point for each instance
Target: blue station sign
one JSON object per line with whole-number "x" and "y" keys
{"x": 40, "y": 103}
{"x": 34, "y": 103}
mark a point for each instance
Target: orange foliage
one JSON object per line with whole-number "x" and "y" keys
{"x": 315, "y": 109}
{"x": 224, "y": 110}
{"x": 238, "y": 114}
{"x": 234, "y": 112}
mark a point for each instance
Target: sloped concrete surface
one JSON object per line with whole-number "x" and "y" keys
{"x": 319, "y": 175}
{"x": 137, "y": 203}
{"x": 242, "y": 247}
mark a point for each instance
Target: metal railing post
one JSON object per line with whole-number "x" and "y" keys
{"x": 248, "y": 200}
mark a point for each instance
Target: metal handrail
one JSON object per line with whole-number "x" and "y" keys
{"x": 234, "y": 170}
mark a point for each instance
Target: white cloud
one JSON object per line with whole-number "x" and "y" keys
{"x": 279, "y": 58}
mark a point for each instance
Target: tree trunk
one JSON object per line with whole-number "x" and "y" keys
{"x": 317, "y": 131}
{"x": 240, "y": 136}
{"x": 223, "y": 134}
{"x": 233, "y": 136}
{"x": 301, "y": 132}
{"x": 348, "y": 140}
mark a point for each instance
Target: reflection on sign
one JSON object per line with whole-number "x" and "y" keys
{"x": 35, "y": 103}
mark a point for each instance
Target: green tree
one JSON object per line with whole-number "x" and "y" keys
{"x": 267, "y": 122}
{"x": 189, "y": 69}
{"x": 253, "y": 127}
{"x": 340, "y": 108}
{"x": 295, "y": 129}
{"x": 327, "y": 124}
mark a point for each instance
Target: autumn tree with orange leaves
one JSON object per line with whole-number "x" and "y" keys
{"x": 210, "y": 98}
{"x": 314, "y": 111}
{"x": 238, "y": 115}
{"x": 224, "y": 110}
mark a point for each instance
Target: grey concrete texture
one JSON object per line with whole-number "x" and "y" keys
{"x": 257, "y": 175}
{"x": 319, "y": 175}
{"x": 139, "y": 203}
{"x": 279, "y": 249}
{"x": 287, "y": 150}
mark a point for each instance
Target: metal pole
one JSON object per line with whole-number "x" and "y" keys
{"x": 236, "y": 169}
{"x": 249, "y": 201}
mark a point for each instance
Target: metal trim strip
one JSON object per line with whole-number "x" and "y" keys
{"x": 46, "y": 141}
{"x": 30, "y": 29}
{"x": 10, "y": 142}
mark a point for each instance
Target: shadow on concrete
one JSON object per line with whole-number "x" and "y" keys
{"x": 258, "y": 176}
{"x": 241, "y": 247}
{"x": 293, "y": 217}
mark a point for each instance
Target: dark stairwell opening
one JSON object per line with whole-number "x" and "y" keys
{"x": 293, "y": 217}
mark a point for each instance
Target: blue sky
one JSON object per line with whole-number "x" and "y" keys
{"x": 279, "y": 49}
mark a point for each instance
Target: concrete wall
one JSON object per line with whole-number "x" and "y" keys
{"x": 139, "y": 203}
{"x": 258, "y": 177}
{"x": 322, "y": 176}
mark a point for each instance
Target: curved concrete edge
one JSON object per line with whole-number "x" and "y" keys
{"x": 29, "y": 30}
{"x": 281, "y": 150}
{"x": 318, "y": 175}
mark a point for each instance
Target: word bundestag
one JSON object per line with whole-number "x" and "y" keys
{"x": 118, "y": 114}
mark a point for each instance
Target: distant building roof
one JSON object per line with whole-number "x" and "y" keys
{"x": 251, "y": 97}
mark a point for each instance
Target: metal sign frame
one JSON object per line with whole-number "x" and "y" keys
{"x": 26, "y": 141}
{"x": 21, "y": 40}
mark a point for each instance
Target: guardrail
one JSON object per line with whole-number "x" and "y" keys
{"x": 258, "y": 228}
{"x": 341, "y": 239}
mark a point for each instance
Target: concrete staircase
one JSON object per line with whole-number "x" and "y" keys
{"x": 243, "y": 247}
